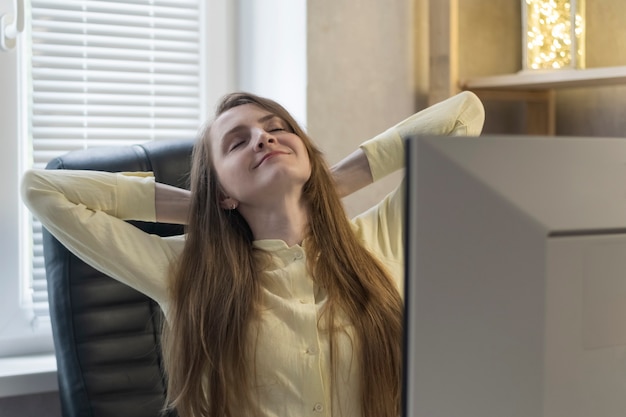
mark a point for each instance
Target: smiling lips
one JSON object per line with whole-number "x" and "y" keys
{"x": 270, "y": 155}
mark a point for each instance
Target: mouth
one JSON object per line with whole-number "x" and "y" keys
{"x": 268, "y": 156}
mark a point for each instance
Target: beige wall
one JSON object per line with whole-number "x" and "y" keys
{"x": 367, "y": 63}
{"x": 361, "y": 77}
{"x": 489, "y": 44}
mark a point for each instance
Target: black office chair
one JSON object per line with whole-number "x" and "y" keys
{"x": 106, "y": 335}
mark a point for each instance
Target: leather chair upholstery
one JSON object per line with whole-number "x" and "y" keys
{"x": 106, "y": 334}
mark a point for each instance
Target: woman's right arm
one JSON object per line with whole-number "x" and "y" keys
{"x": 171, "y": 204}
{"x": 86, "y": 211}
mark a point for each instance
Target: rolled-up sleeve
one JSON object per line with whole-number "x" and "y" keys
{"x": 86, "y": 211}
{"x": 382, "y": 226}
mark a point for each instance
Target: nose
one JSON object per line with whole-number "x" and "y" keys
{"x": 264, "y": 139}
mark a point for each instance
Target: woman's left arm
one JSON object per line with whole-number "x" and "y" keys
{"x": 462, "y": 114}
{"x": 352, "y": 173}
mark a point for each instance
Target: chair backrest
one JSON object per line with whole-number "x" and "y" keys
{"x": 106, "y": 335}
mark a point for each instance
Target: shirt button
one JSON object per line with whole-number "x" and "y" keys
{"x": 298, "y": 256}
{"x": 318, "y": 408}
{"x": 311, "y": 351}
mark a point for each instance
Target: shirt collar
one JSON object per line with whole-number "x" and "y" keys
{"x": 273, "y": 245}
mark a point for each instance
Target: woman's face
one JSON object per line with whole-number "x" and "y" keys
{"x": 257, "y": 157}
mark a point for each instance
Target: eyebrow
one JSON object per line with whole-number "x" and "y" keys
{"x": 237, "y": 128}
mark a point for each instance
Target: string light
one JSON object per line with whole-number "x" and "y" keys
{"x": 554, "y": 34}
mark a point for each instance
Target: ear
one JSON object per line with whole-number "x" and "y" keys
{"x": 228, "y": 203}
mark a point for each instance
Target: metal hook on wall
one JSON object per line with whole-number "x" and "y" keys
{"x": 11, "y": 26}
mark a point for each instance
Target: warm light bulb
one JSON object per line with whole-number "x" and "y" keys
{"x": 554, "y": 31}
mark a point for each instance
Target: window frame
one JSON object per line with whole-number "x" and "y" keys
{"x": 18, "y": 338}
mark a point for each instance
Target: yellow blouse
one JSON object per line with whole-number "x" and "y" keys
{"x": 86, "y": 211}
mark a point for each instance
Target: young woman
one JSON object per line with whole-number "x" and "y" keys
{"x": 276, "y": 303}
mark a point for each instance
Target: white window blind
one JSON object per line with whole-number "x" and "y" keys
{"x": 109, "y": 73}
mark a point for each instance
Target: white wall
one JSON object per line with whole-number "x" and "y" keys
{"x": 8, "y": 166}
{"x": 12, "y": 322}
{"x": 272, "y": 52}
{"x": 16, "y": 333}
{"x": 220, "y": 44}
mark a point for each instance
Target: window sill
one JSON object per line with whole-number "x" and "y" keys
{"x": 26, "y": 375}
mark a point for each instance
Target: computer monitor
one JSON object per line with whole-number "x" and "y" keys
{"x": 515, "y": 277}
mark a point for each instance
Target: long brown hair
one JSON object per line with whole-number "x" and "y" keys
{"x": 215, "y": 289}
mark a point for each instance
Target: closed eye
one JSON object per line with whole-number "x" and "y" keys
{"x": 236, "y": 145}
{"x": 276, "y": 124}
